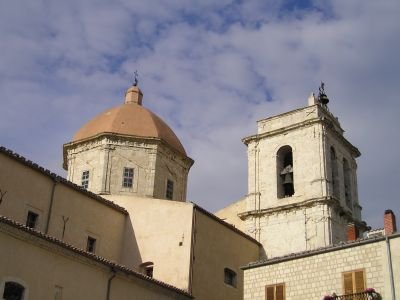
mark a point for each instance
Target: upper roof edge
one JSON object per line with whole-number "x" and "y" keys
{"x": 58, "y": 178}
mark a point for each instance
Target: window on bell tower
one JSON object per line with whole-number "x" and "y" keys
{"x": 347, "y": 182}
{"x": 284, "y": 166}
{"x": 334, "y": 174}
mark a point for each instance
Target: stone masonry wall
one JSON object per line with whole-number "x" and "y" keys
{"x": 314, "y": 276}
{"x": 152, "y": 163}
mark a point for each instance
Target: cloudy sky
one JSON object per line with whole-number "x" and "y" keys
{"x": 210, "y": 69}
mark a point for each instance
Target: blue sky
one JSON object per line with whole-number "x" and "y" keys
{"x": 210, "y": 69}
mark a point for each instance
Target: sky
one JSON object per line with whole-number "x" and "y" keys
{"x": 210, "y": 69}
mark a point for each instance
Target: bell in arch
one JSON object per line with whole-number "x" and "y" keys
{"x": 287, "y": 180}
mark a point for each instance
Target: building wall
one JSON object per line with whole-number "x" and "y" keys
{"x": 42, "y": 267}
{"x": 217, "y": 247}
{"x": 163, "y": 231}
{"x": 290, "y": 231}
{"x": 312, "y": 277}
{"x": 28, "y": 189}
{"x": 25, "y": 189}
{"x": 343, "y": 153}
{"x": 230, "y": 213}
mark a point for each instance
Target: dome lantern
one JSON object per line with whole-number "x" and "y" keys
{"x": 133, "y": 95}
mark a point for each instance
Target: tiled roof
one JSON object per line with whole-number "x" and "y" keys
{"x": 58, "y": 178}
{"x": 130, "y": 119}
{"x": 89, "y": 255}
{"x": 331, "y": 248}
{"x": 231, "y": 227}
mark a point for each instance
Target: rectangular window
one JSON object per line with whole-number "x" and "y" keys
{"x": 230, "y": 277}
{"x": 13, "y": 290}
{"x": 91, "y": 244}
{"x": 170, "y": 189}
{"x": 353, "y": 282}
{"x": 31, "y": 219}
{"x": 275, "y": 292}
{"x": 57, "y": 293}
{"x": 128, "y": 178}
{"x": 85, "y": 179}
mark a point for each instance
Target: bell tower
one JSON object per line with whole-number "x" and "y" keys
{"x": 302, "y": 180}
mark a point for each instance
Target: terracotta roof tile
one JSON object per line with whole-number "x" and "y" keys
{"x": 133, "y": 120}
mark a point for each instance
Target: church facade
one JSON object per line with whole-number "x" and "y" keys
{"x": 120, "y": 225}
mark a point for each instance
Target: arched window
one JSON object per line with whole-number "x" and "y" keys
{"x": 334, "y": 174}
{"x": 13, "y": 291}
{"x": 347, "y": 182}
{"x": 284, "y": 165}
{"x": 146, "y": 268}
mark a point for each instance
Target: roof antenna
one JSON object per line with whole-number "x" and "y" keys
{"x": 135, "y": 81}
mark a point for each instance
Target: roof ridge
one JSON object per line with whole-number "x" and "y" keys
{"x": 59, "y": 178}
{"x": 334, "y": 247}
{"x": 230, "y": 226}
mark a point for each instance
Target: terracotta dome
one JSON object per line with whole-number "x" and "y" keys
{"x": 130, "y": 119}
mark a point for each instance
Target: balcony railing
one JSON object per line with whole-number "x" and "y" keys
{"x": 357, "y": 296}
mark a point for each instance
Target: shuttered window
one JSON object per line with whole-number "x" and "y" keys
{"x": 354, "y": 282}
{"x": 275, "y": 292}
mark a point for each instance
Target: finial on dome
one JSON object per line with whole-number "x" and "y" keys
{"x": 135, "y": 80}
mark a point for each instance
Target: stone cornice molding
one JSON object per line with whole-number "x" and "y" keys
{"x": 120, "y": 139}
{"x": 328, "y": 122}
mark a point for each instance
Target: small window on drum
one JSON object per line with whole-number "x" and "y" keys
{"x": 127, "y": 181}
{"x": 169, "y": 193}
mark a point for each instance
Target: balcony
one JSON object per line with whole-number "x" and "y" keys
{"x": 366, "y": 295}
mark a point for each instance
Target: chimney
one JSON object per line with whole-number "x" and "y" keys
{"x": 389, "y": 222}
{"x": 352, "y": 232}
{"x": 312, "y": 100}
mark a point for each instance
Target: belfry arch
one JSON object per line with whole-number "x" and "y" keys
{"x": 284, "y": 168}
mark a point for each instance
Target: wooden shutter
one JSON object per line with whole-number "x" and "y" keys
{"x": 359, "y": 281}
{"x": 280, "y": 292}
{"x": 348, "y": 283}
{"x": 275, "y": 292}
{"x": 270, "y": 293}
